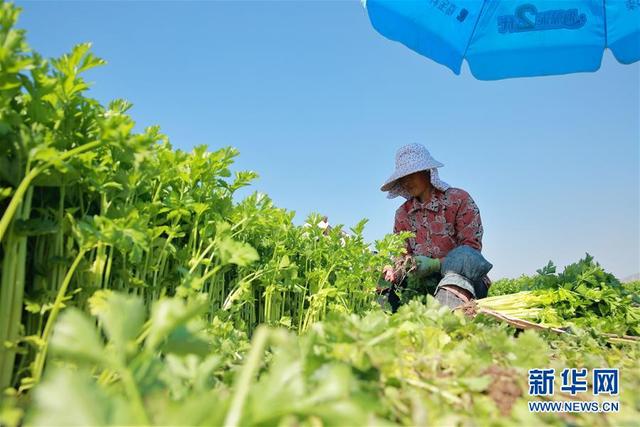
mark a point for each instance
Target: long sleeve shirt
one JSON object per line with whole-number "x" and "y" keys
{"x": 450, "y": 219}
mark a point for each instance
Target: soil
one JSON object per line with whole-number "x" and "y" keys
{"x": 504, "y": 389}
{"x": 470, "y": 309}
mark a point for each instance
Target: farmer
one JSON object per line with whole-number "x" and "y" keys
{"x": 444, "y": 256}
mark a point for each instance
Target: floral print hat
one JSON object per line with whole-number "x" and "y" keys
{"x": 409, "y": 159}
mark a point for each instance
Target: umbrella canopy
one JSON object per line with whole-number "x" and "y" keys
{"x": 508, "y": 38}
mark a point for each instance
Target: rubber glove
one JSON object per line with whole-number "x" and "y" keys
{"x": 426, "y": 265}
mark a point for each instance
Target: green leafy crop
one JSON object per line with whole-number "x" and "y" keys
{"x": 421, "y": 366}
{"x": 136, "y": 290}
{"x": 87, "y": 205}
{"x": 583, "y": 295}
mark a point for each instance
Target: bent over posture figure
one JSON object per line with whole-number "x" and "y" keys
{"x": 444, "y": 256}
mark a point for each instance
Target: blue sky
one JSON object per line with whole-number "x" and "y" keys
{"x": 317, "y": 103}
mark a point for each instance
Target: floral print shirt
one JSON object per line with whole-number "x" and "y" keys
{"x": 450, "y": 219}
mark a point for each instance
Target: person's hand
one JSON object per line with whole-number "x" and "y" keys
{"x": 426, "y": 265}
{"x": 389, "y": 274}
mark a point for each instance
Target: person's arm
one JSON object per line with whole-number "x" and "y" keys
{"x": 401, "y": 223}
{"x": 468, "y": 224}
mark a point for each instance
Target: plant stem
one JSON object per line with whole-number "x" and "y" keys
{"x": 26, "y": 183}
{"x": 258, "y": 344}
{"x": 13, "y": 293}
{"x": 134, "y": 394}
{"x": 38, "y": 364}
{"x": 16, "y": 200}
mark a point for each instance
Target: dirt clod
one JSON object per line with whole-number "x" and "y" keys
{"x": 469, "y": 309}
{"x": 504, "y": 389}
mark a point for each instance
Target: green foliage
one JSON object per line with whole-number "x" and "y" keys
{"x": 583, "y": 295}
{"x": 88, "y": 205}
{"x": 422, "y": 366}
{"x": 633, "y": 288}
{"x": 149, "y": 240}
{"x": 121, "y": 388}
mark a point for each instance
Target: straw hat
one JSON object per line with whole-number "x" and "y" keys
{"x": 410, "y": 159}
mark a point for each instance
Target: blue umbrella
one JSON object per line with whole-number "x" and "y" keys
{"x": 508, "y": 38}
